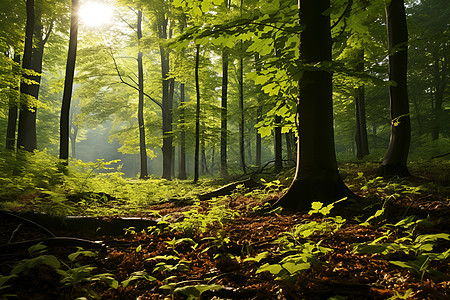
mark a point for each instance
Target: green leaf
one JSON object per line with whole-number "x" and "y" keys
{"x": 294, "y": 268}
{"x": 136, "y": 276}
{"x": 195, "y": 291}
{"x": 258, "y": 257}
{"x": 272, "y": 269}
{"x": 28, "y": 264}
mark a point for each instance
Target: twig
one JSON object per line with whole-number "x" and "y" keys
{"x": 29, "y": 222}
{"x": 13, "y": 234}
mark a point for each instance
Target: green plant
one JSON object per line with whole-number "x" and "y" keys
{"x": 419, "y": 245}
{"x": 138, "y": 275}
{"x": 3, "y": 280}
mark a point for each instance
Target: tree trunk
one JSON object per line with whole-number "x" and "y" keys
{"x": 440, "y": 80}
{"x": 73, "y": 132}
{"x": 142, "y": 144}
{"x": 258, "y": 114}
{"x": 197, "y": 116}
{"x": 224, "y": 116}
{"x": 64, "y": 126}
{"x": 278, "y": 148}
{"x": 25, "y": 138}
{"x": 12, "y": 112}
{"x": 362, "y": 144}
{"x": 213, "y": 155}
{"x": 290, "y": 148}
{"x": 166, "y": 103}
{"x": 317, "y": 177}
{"x": 182, "y": 162}
{"x": 242, "y": 116}
{"x": 395, "y": 160}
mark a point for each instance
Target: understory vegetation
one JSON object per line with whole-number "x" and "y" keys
{"x": 392, "y": 243}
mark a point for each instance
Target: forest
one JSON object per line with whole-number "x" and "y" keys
{"x": 224, "y": 149}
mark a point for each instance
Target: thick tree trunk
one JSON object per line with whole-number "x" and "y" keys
{"x": 197, "y": 117}
{"x": 224, "y": 116}
{"x": 64, "y": 125}
{"x": 278, "y": 148}
{"x": 12, "y": 112}
{"x": 317, "y": 177}
{"x": 142, "y": 144}
{"x": 182, "y": 160}
{"x": 25, "y": 138}
{"x": 395, "y": 160}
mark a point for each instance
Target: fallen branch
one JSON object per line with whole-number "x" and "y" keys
{"x": 441, "y": 155}
{"x": 28, "y": 222}
{"x": 228, "y": 189}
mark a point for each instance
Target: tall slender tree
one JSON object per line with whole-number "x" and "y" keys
{"x": 197, "y": 116}
{"x": 395, "y": 160}
{"x": 142, "y": 143}
{"x": 182, "y": 158}
{"x": 68, "y": 84}
{"x": 224, "y": 116}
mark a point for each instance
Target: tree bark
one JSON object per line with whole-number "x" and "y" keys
{"x": 224, "y": 116}
{"x": 142, "y": 144}
{"x": 182, "y": 162}
{"x": 197, "y": 117}
{"x": 166, "y": 103}
{"x": 25, "y": 138}
{"x": 12, "y": 112}
{"x": 64, "y": 126}
{"x": 241, "y": 103}
{"x": 317, "y": 177}
{"x": 440, "y": 83}
{"x": 362, "y": 144}
{"x": 242, "y": 116}
{"x": 258, "y": 114}
{"x": 395, "y": 160}
{"x": 278, "y": 148}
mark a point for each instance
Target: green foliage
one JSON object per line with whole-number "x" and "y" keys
{"x": 408, "y": 243}
{"x": 195, "y": 291}
{"x": 197, "y": 221}
{"x": 138, "y": 275}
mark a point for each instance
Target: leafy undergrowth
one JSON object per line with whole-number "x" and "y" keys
{"x": 392, "y": 244}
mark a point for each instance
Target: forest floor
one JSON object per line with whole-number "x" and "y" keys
{"x": 392, "y": 244}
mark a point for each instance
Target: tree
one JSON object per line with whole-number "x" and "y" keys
{"x": 317, "y": 177}
{"x": 197, "y": 116}
{"x": 362, "y": 143}
{"x": 25, "y": 138}
{"x": 395, "y": 159}
{"x": 167, "y": 100}
{"x": 182, "y": 159}
{"x": 12, "y": 111}
{"x": 26, "y": 135}
{"x": 142, "y": 146}
{"x": 64, "y": 130}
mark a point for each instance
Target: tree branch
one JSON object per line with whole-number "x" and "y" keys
{"x": 130, "y": 85}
